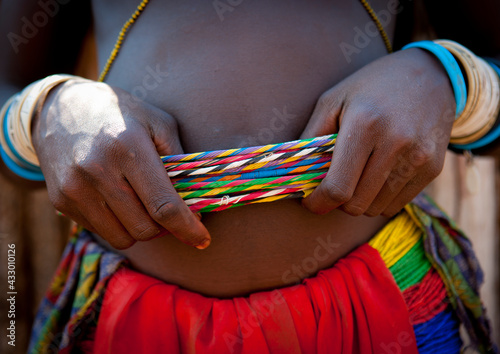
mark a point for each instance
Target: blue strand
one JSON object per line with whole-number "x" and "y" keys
{"x": 440, "y": 334}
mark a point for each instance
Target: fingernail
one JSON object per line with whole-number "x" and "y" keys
{"x": 204, "y": 244}
{"x": 198, "y": 215}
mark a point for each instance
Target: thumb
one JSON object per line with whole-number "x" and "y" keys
{"x": 326, "y": 116}
{"x": 165, "y": 135}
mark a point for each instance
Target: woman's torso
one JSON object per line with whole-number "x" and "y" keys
{"x": 238, "y": 75}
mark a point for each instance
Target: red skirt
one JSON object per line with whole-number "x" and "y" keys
{"x": 353, "y": 307}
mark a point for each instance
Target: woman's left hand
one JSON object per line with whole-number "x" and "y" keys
{"x": 393, "y": 118}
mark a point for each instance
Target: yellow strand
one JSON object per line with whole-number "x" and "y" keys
{"x": 121, "y": 37}
{"x": 380, "y": 28}
{"x": 396, "y": 238}
{"x": 142, "y": 6}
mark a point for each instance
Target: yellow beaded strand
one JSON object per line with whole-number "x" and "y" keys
{"x": 142, "y": 6}
{"x": 380, "y": 28}
{"x": 121, "y": 37}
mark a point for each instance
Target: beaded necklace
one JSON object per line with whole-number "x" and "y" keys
{"x": 126, "y": 27}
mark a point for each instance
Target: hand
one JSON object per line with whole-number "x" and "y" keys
{"x": 100, "y": 158}
{"x": 394, "y": 119}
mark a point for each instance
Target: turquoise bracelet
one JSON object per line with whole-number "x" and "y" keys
{"x": 492, "y": 135}
{"x": 20, "y": 171}
{"x": 452, "y": 68}
{"x": 26, "y": 170}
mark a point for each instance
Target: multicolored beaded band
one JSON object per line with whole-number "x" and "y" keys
{"x": 222, "y": 179}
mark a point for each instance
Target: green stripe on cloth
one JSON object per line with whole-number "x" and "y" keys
{"x": 412, "y": 267}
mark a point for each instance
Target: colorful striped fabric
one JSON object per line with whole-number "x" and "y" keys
{"x": 430, "y": 259}
{"x": 401, "y": 247}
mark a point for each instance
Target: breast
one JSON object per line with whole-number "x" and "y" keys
{"x": 229, "y": 78}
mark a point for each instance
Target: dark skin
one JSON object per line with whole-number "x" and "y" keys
{"x": 224, "y": 81}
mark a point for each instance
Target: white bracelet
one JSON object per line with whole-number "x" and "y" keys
{"x": 21, "y": 108}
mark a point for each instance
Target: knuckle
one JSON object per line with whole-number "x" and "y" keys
{"x": 162, "y": 121}
{"x": 131, "y": 154}
{"x": 402, "y": 139}
{"x": 165, "y": 210}
{"x": 337, "y": 192}
{"x": 327, "y": 102}
{"x": 171, "y": 123}
{"x": 131, "y": 158}
{"x": 68, "y": 191}
{"x": 124, "y": 143}
{"x": 372, "y": 116}
{"x": 58, "y": 201}
{"x": 421, "y": 156}
{"x": 144, "y": 231}
{"x": 85, "y": 168}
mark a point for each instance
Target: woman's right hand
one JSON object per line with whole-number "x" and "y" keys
{"x": 99, "y": 153}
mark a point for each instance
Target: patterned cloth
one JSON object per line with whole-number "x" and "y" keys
{"x": 431, "y": 262}
{"x": 69, "y": 312}
{"x": 451, "y": 254}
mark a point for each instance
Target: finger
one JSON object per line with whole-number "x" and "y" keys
{"x": 125, "y": 204}
{"x": 147, "y": 176}
{"x": 373, "y": 179}
{"x": 407, "y": 194}
{"x": 326, "y": 116}
{"x": 78, "y": 218}
{"x": 392, "y": 187}
{"x": 414, "y": 171}
{"x": 105, "y": 224}
{"x": 349, "y": 159}
{"x": 164, "y": 133}
{"x": 78, "y": 201}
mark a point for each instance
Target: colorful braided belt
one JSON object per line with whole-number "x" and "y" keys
{"x": 223, "y": 179}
